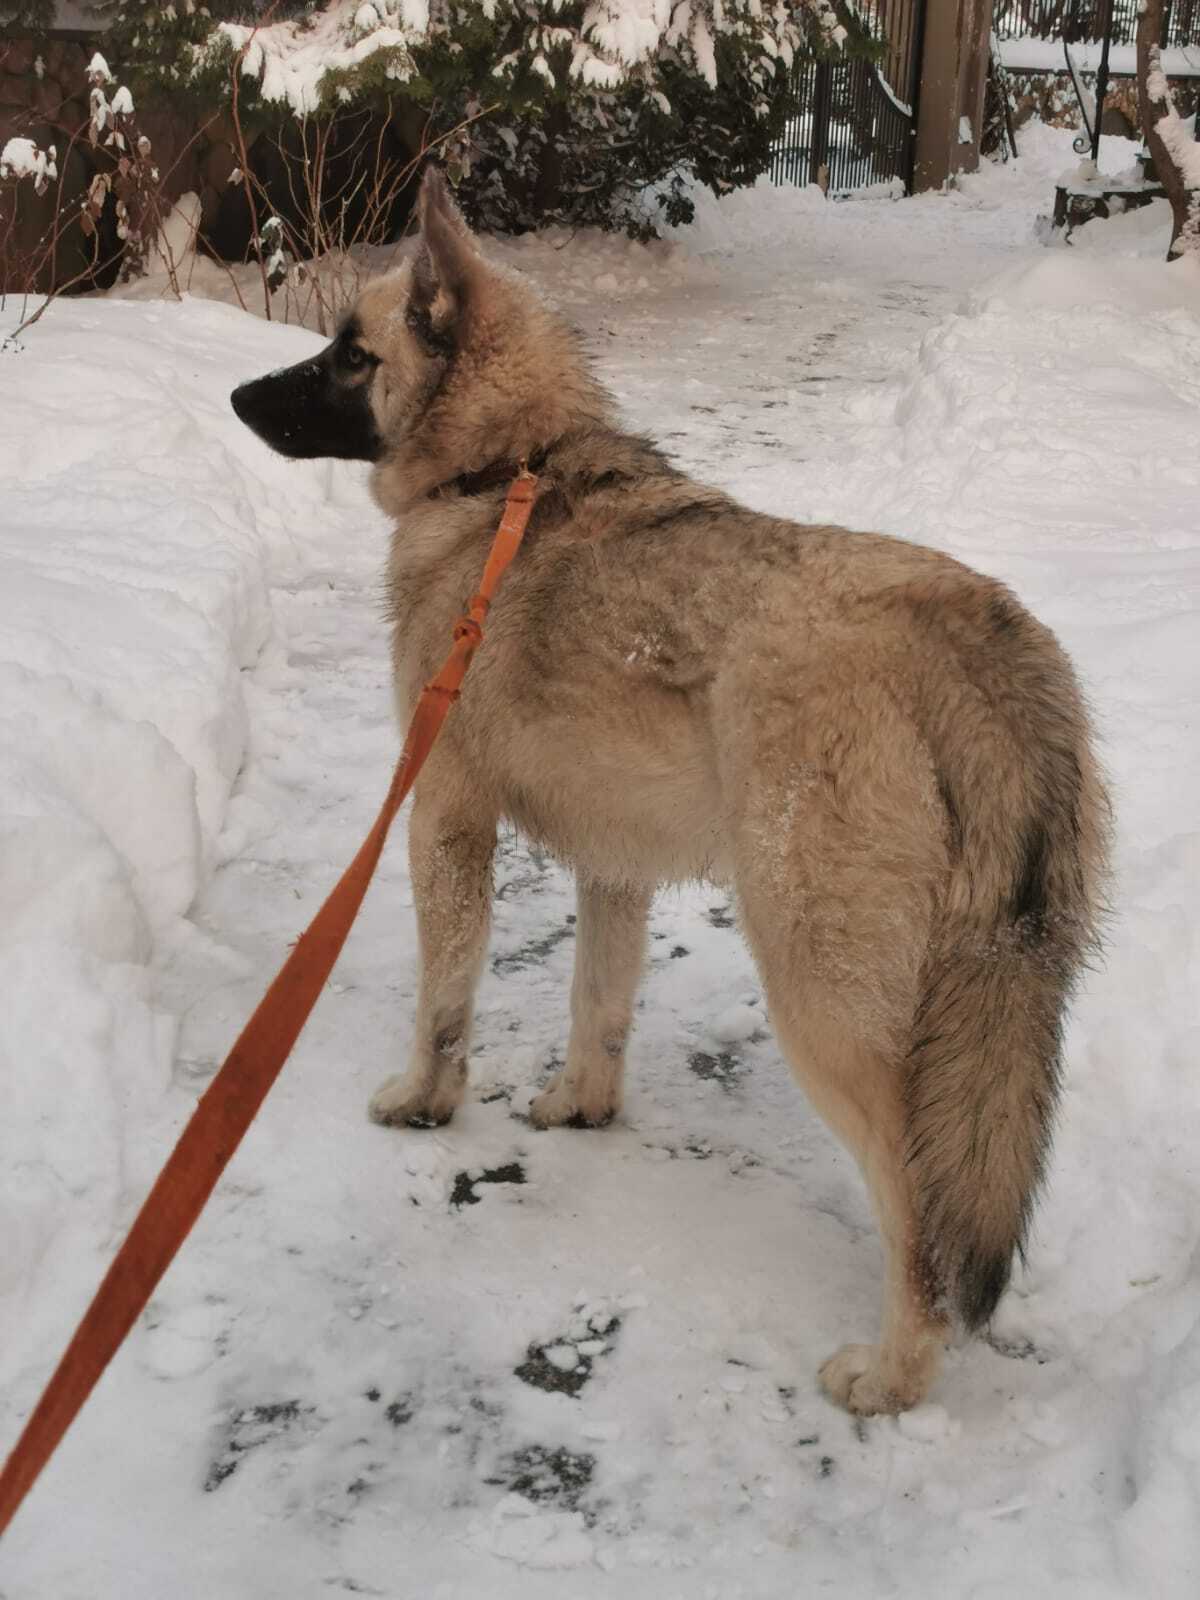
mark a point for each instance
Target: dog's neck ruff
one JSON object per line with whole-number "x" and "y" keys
{"x": 496, "y": 475}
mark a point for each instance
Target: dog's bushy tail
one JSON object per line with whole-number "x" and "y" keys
{"x": 1029, "y": 820}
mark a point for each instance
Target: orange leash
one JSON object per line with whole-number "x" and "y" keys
{"x": 228, "y": 1105}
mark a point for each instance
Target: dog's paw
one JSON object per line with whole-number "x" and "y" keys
{"x": 565, "y": 1105}
{"x": 402, "y": 1103}
{"x": 853, "y": 1378}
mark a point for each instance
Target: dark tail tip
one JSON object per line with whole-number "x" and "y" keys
{"x": 981, "y": 1280}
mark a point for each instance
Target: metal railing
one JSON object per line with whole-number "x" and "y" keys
{"x": 1083, "y": 19}
{"x": 852, "y": 123}
{"x": 847, "y": 129}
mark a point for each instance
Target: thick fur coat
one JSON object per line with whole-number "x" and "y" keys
{"x": 879, "y": 751}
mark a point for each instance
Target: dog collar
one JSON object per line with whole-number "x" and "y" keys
{"x": 494, "y": 476}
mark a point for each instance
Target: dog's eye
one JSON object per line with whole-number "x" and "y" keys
{"x": 355, "y": 357}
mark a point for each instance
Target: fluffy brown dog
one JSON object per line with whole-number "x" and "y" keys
{"x": 878, "y": 750}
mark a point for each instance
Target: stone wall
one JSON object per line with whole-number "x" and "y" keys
{"x": 1049, "y": 97}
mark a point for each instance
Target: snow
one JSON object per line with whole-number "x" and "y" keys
{"x": 736, "y": 1024}
{"x": 291, "y": 58}
{"x": 195, "y": 730}
{"x": 1176, "y": 134}
{"x": 21, "y": 158}
{"x": 902, "y": 106}
{"x": 609, "y": 40}
{"x": 629, "y": 30}
{"x": 133, "y": 592}
{"x": 175, "y": 241}
{"x": 1046, "y": 55}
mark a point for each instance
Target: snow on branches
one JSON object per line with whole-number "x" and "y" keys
{"x": 22, "y": 158}
{"x": 596, "y": 44}
{"x": 105, "y": 115}
{"x": 291, "y": 60}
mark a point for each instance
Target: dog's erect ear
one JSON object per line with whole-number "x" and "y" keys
{"x": 446, "y": 265}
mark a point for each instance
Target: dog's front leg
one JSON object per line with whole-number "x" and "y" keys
{"x": 610, "y": 946}
{"x": 450, "y": 849}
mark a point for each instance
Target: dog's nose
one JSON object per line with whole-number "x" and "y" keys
{"x": 240, "y": 399}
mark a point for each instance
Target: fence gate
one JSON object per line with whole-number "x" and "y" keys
{"x": 853, "y": 123}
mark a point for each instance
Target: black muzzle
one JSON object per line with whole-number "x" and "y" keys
{"x": 310, "y": 411}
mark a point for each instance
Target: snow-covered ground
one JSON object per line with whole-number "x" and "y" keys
{"x": 483, "y": 1361}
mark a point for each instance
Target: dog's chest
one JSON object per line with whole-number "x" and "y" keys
{"x": 584, "y": 714}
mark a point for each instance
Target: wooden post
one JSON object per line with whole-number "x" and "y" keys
{"x": 818, "y": 156}
{"x": 954, "y": 67}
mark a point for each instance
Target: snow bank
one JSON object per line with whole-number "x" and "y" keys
{"x": 763, "y": 216}
{"x": 136, "y": 551}
{"x": 1095, "y": 284}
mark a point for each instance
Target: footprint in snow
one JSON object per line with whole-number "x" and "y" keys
{"x": 251, "y": 1427}
{"x": 545, "y": 1476}
{"x": 565, "y": 1365}
{"x": 465, "y": 1183}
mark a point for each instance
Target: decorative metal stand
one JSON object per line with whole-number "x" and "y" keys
{"x": 1091, "y": 107}
{"x": 1090, "y": 195}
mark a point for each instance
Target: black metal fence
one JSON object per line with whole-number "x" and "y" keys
{"x": 898, "y": 23}
{"x": 1084, "y": 19}
{"x": 844, "y": 130}
{"x": 853, "y": 123}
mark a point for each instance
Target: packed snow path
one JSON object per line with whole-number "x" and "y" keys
{"x": 488, "y": 1361}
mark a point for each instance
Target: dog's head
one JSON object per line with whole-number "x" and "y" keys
{"x": 443, "y": 367}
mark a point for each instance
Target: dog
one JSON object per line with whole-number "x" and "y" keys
{"x": 878, "y": 750}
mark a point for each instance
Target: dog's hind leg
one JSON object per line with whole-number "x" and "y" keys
{"x": 450, "y": 847}
{"x": 610, "y": 945}
{"x": 839, "y": 860}
{"x": 858, "y": 1091}
{"x": 823, "y": 957}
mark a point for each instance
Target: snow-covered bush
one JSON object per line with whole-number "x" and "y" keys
{"x": 23, "y": 163}
{"x": 21, "y": 158}
{"x": 115, "y": 214}
{"x": 573, "y": 107}
{"x": 133, "y": 180}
